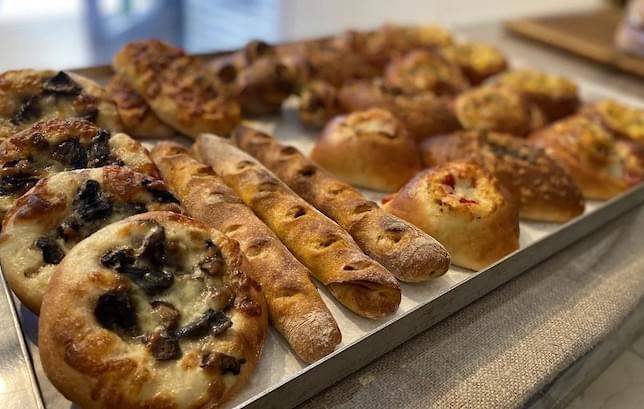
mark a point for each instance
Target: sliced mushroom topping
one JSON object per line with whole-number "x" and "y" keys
{"x": 213, "y": 264}
{"x": 158, "y": 190}
{"x": 99, "y": 150}
{"x": 153, "y": 247}
{"x": 70, "y": 153}
{"x": 226, "y": 363}
{"x": 62, "y": 84}
{"x": 51, "y": 251}
{"x": 90, "y": 202}
{"x": 215, "y": 322}
{"x": 17, "y": 177}
{"x": 114, "y": 311}
{"x": 167, "y": 315}
{"x": 27, "y": 111}
{"x": 163, "y": 346}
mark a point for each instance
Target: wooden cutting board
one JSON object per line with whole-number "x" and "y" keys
{"x": 589, "y": 34}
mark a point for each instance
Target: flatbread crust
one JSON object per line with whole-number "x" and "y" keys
{"x": 112, "y": 339}
{"x": 137, "y": 116}
{"x": 182, "y": 92}
{"x": 56, "y": 145}
{"x": 28, "y": 96}
{"x": 63, "y": 209}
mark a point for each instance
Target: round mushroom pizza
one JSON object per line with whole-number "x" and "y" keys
{"x": 153, "y": 311}
{"x": 63, "y": 209}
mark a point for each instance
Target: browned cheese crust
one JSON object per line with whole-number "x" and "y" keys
{"x": 63, "y": 209}
{"x": 186, "y": 334}
{"x": 465, "y": 208}
{"x": 370, "y": 149}
{"x": 556, "y": 96}
{"x": 622, "y": 121}
{"x": 478, "y": 61}
{"x": 138, "y": 118}
{"x": 422, "y": 113}
{"x": 182, "y": 92}
{"x": 545, "y": 191}
{"x": 57, "y": 145}
{"x": 294, "y": 305}
{"x": 602, "y": 166}
{"x": 406, "y": 251}
{"x": 497, "y": 108}
{"x": 426, "y": 71}
{"x": 28, "y": 96}
{"x": 357, "y": 281}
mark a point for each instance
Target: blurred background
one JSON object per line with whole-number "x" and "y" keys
{"x": 78, "y": 33}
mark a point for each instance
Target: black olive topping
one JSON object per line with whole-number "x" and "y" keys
{"x": 62, "y": 84}
{"x": 99, "y": 150}
{"x": 27, "y": 111}
{"x": 90, "y": 202}
{"x": 164, "y": 347}
{"x": 70, "y": 153}
{"x": 114, "y": 311}
{"x": 157, "y": 189}
{"x": 51, "y": 251}
{"x": 17, "y": 177}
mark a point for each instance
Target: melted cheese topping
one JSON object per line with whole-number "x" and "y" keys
{"x": 479, "y": 56}
{"x": 623, "y": 119}
{"x": 538, "y": 82}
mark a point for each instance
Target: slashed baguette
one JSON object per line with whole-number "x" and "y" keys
{"x": 295, "y": 307}
{"x": 358, "y": 282}
{"x": 180, "y": 91}
{"x": 405, "y": 250}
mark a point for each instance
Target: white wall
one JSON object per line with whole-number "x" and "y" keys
{"x": 308, "y": 18}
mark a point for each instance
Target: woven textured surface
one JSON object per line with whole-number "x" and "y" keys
{"x": 502, "y": 349}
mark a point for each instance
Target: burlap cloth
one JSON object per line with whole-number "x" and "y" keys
{"x": 499, "y": 351}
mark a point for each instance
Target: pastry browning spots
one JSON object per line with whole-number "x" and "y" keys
{"x": 152, "y": 311}
{"x": 465, "y": 208}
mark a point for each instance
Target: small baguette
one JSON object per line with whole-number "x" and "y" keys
{"x": 358, "y": 282}
{"x": 409, "y": 253}
{"x": 295, "y": 307}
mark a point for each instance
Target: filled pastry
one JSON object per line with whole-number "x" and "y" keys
{"x": 371, "y": 149}
{"x": 543, "y": 189}
{"x": 465, "y": 208}
{"x": 556, "y": 96}
{"x": 622, "y": 121}
{"x": 601, "y": 165}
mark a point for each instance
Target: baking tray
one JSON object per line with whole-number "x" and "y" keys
{"x": 281, "y": 380}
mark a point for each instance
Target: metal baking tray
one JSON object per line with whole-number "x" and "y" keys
{"x": 281, "y": 380}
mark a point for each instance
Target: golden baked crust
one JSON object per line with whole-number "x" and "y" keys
{"x": 402, "y": 248}
{"x": 56, "y": 145}
{"x": 427, "y": 71}
{"x": 422, "y": 113}
{"x": 543, "y": 189}
{"x": 318, "y": 103}
{"x": 356, "y": 281}
{"x": 478, "y": 61}
{"x": 369, "y": 148}
{"x": 182, "y": 92}
{"x": 465, "y": 208}
{"x": 63, "y": 209}
{"x": 556, "y": 96}
{"x": 28, "y": 96}
{"x": 497, "y": 108}
{"x": 395, "y": 40}
{"x": 153, "y": 311}
{"x": 602, "y": 166}
{"x": 138, "y": 118}
{"x": 623, "y": 121}
{"x": 294, "y": 305}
